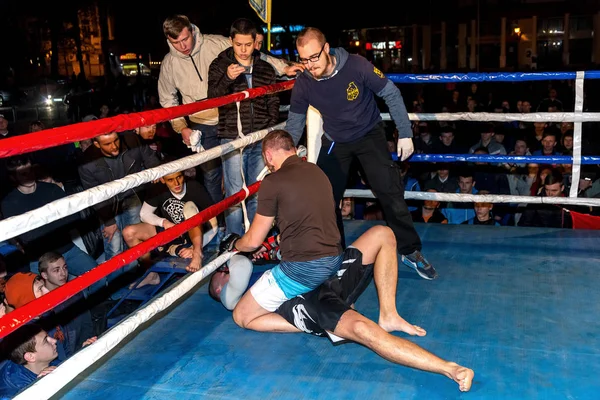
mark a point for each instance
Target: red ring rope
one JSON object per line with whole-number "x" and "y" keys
{"x": 13, "y": 320}
{"x": 86, "y": 130}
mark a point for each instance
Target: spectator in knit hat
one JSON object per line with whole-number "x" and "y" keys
{"x": 24, "y": 287}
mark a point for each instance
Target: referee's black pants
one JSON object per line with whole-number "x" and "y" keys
{"x": 382, "y": 175}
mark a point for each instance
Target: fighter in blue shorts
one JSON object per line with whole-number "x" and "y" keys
{"x": 328, "y": 310}
{"x": 296, "y": 197}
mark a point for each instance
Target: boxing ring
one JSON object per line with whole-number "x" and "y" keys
{"x": 524, "y": 321}
{"x": 510, "y": 303}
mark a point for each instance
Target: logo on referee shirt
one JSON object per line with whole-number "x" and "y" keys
{"x": 378, "y": 73}
{"x": 352, "y": 91}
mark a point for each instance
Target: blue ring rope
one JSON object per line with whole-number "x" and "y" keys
{"x": 493, "y": 77}
{"x": 489, "y": 77}
{"x": 447, "y": 158}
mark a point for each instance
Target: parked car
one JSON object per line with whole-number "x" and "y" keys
{"x": 10, "y": 97}
{"x": 46, "y": 93}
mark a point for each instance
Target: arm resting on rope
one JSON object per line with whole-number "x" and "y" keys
{"x": 148, "y": 216}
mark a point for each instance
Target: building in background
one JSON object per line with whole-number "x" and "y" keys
{"x": 91, "y": 45}
{"x": 487, "y": 35}
{"x": 283, "y": 40}
{"x": 132, "y": 64}
{"x": 384, "y": 46}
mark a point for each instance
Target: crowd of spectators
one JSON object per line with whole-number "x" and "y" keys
{"x": 44, "y": 259}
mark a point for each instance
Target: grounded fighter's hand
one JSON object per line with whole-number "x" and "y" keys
{"x": 228, "y": 243}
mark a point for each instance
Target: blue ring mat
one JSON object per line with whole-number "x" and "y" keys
{"x": 518, "y": 305}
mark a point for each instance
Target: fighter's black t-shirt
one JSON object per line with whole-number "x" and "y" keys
{"x": 170, "y": 207}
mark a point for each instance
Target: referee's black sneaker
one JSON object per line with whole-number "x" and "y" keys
{"x": 419, "y": 263}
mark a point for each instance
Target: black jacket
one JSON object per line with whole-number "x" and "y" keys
{"x": 88, "y": 226}
{"x": 257, "y": 113}
{"x": 546, "y": 216}
{"x": 95, "y": 171}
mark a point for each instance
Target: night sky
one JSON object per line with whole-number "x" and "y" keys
{"x": 138, "y": 25}
{"x": 144, "y": 31}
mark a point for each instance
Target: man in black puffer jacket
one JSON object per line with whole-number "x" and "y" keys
{"x": 114, "y": 156}
{"x": 236, "y": 69}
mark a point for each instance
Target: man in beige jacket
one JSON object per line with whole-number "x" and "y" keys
{"x": 184, "y": 70}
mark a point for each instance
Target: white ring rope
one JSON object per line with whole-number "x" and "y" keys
{"x": 247, "y": 191}
{"x": 503, "y": 117}
{"x": 19, "y": 224}
{"x": 46, "y": 387}
{"x": 487, "y": 198}
{"x": 245, "y": 218}
{"x": 575, "y": 173}
{"x": 67, "y": 371}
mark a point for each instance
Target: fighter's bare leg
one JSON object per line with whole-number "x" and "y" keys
{"x": 248, "y": 314}
{"x": 138, "y": 233}
{"x": 358, "y": 328}
{"x": 195, "y": 235}
{"x": 272, "y": 322}
{"x": 378, "y": 246}
{"x": 134, "y": 235}
{"x": 151, "y": 279}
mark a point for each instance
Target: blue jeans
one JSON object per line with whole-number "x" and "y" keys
{"x": 129, "y": 214}
{"x": 211, "y": 170}
{"x": 251, "y": 163}
{"x": 78, "y": 263}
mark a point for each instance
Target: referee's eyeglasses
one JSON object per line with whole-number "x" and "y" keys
{"x": 312, "y": 59}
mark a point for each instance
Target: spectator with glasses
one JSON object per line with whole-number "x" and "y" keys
{"x": 343, "y": 88}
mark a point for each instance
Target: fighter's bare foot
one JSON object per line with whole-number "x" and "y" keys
{"x": 462, "y": 375}
{"x": 151, "y": 279}
{"x": 194, "y": 265}
{"x": 397, "y": 323}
